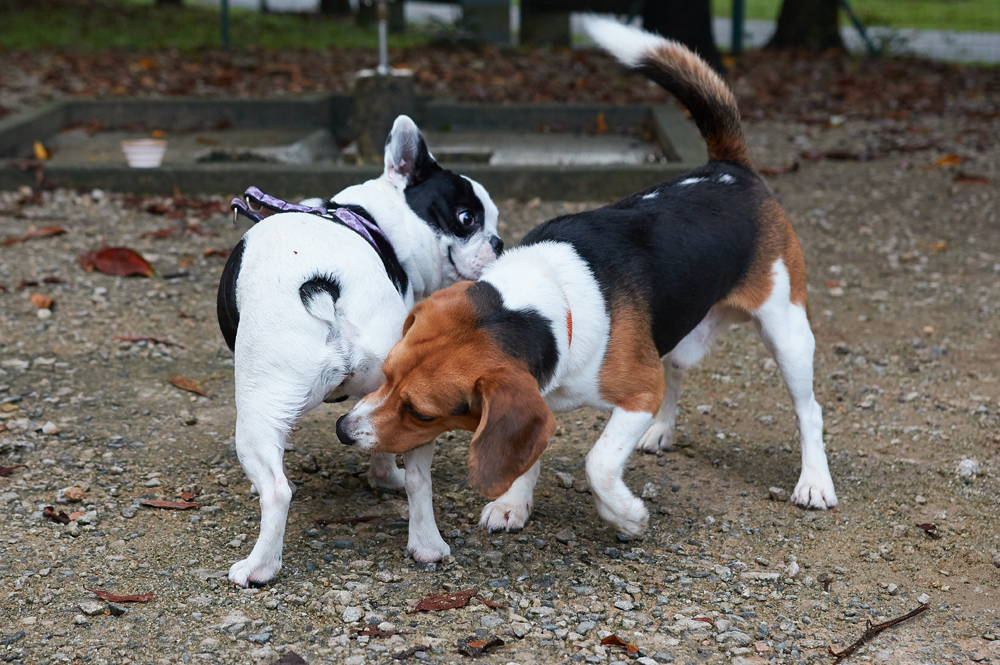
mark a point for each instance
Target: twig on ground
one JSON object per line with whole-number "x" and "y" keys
{"x": 871, "y": 631}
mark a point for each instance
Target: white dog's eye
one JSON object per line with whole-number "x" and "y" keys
{"x": 466, "y": 218}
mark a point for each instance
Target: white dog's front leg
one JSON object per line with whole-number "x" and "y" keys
{"x": 383, "y": 472}
{"x": 425, "y": 542}
{"x": 605, "y": 461}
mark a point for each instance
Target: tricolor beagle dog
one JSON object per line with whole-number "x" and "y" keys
{"x": 311, "y": 305}
{"x": 584, "y": 312}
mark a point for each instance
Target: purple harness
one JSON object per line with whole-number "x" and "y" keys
{"x": 253, "y": 200}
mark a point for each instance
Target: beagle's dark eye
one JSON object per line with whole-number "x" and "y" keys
{"x": 419, "y": 416}
{"x": 466, "y": 218}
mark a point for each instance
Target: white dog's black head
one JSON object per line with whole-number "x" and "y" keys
{"x": 458, "y": 209}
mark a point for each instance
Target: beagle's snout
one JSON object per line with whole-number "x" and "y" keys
{"x": 342, "y": 434}
{"x": 497, "y": 244}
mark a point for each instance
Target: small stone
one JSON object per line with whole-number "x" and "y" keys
{"x": 116, "y": 609}
{"x": 235, "y": 542}
{"x": 734, "y": 638}
{"x": 724, "y": 572}
{"x": 650, "y": 491}
{"x": 663, "y": 657}
{"x": 350, "y": 615}
{"x": 343, "y": 544}
{"x": 49, "y": 427}
{"x": 991, "y": 637}
{"x": 520, "y": 629}
{"x": 490, "y": 621}
{"x": 79, "y": 619}
{"x": 308, "y": 464}
{"x": 581, "y": 486}
{"x": 923, "y": 599}
{"x": 71, "y": 494}
{"x": 792, "y": 570}
{"x": 624, "y": 605}
{"x": 703, "y": 409}
{"x": 968, "y": 469}
{"x": 259, "y": 638}
{"x": 920, "y": 499}
{"x": 92, "y": 607}
{"x": 777, "y": 494}
{"x": 996, "y": 558}
{"x": 892, "y": 589}
{"x": 44, "y": 313}
{"x": 646, "y": 660}
{"x": 585, "y": 627}
{"x": 73, "y": 529}
{"x": 565, "y": 479}
{"x": 129, "y": 511}
{"x": 566, "y": 535}
{"x": 152, "y": 482}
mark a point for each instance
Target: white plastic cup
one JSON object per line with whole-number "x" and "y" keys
{"x": 144, "y": 153}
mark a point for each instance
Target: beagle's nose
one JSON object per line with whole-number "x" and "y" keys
{"x": 497, "y": 244}
{"x": 342, "y": 434}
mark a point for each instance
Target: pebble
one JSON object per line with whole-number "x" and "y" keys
{"x": 116, "y": 609}
{"x": 565, "y": 479}
{"x": 777, "y": 494}
{"x": 129, "y": 511}
{"x": 650, "y": 491}
{"x": 968, "y": 469}
{"x": 581, "y": 486}
{"x": 152, "y": 482}
{"x": 259, "y": 638}
{"x": 585, "y": 627}
{"x": 566, "y": 535}
{"x": 734, "y": 638}
{"x": 79, "y": 619}
{"x": 49, "y": 427}
{"x": 350, "y": 615}
{"x": 923, "y": 599}
{"x": 490, "y": 621}
{"x": 92, "y": 607}
{"x": 343, "y": 544}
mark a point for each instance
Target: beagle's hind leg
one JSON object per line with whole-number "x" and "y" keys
{"x": 784, "y": 328}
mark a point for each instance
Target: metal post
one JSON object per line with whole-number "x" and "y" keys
{"x": 739, "y": 13}
{"x": 224, "y": 4}
{"x": 383, "y": 37}
{"x": 860, "y": 27}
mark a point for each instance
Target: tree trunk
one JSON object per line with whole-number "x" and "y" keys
{"x": 335, "y": 7}
{"x": 687, "y": 21}
{"x": 808, "y": 24}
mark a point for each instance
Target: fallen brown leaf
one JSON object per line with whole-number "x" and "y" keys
{"x": 116, "y": 261}
{"x": 41, "y": 301}
{"x": 76, "y": 513}
{"x": 170, "y": 505}
{"x": 477, "y": 648}
{"x": 444, "y": 601}
{"x": 42, "y": 232}
{"x": 703, "y": 620}
{"x": 615, "y": 641}
{"x": 947, "y": 160}
{"x": 969, "y": 179}
{"x": 349, "y": 520}
{"x": 185, "y": 383}
{"x": 112, "y": 598}
{"x": 50, "y": 513}
{"x": 7, "y": 470}
{"x": 187, "y": 496}
{"x": 146, "y": 338}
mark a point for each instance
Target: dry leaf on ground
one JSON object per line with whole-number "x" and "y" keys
{"x": 185, "y": 383}
{"x": 43, "y": 232}
{"x": 112, "y": 598}
{"x": 615, "y": 641}
{"x": 7, "y": 470}
{"x": 116, "y": 261}
{"x": 50, "y": 513}
{"x": 444, "y": 601}
{"x": 970, "y": 179}
{"x": 170, "y": 505}
{"x": 41, "y": 301}
{"x": 477, "y": 648}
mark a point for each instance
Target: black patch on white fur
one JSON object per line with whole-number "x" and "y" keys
{"x": 393, "y": 268}
{"x": 317, "y": 285}
{"x": 674, "y": 255}
{"x": 523, "y": 333}
{"x": 440, "y": 199}
{"x": 225, "y": 304}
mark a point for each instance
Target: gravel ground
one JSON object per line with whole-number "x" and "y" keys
{"x": 904, "y": 299}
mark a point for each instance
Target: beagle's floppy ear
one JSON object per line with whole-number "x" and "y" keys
{"x": 514, "y": 429}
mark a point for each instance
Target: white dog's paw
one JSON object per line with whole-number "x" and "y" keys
{"x": 659, "y": 436}
{"x": 428, "y": 552}
{"x": 386, "y": 478}
{"x": 502, "y": 516}
{"x": 245, "y": 573}
{"x": 815, "y": 491}
{"x": 628, "y": 514}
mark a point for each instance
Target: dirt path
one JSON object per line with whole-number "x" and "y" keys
{"x": 904, "y": 274}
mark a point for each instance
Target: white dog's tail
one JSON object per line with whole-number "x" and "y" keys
{"x": 319, "y": 296}
{"x": 684, "y": 75}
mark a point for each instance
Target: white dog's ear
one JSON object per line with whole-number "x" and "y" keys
{"x": 407, "y": 160}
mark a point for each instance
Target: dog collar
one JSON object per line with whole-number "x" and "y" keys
{"x": 255, "y": 202}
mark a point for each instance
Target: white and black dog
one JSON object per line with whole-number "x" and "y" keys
{"x": 311, "y": 307}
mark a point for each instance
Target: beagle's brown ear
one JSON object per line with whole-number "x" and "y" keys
{"x": 514, "y": 429}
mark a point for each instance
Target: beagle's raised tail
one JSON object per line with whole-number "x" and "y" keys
{"x": 679, "y": 71}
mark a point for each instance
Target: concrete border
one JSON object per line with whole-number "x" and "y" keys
{"x": 677, "y": 136}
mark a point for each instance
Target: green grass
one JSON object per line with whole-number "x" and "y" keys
{"x": 965, "y": 15}
{"x": 136, "y": 25}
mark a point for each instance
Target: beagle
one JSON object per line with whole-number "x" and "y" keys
{"x": 311, "y": 301}
{"x": 606, "y": 309}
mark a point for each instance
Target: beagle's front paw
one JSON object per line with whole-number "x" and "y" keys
{"x": 628, "y": 514}
{"x": 659, "y": 436}
{"x": 503, "y": 516}
{"x": 246, "y": 573}
{"x": 815, "y": 490}
{"x": 427, "y": 549}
